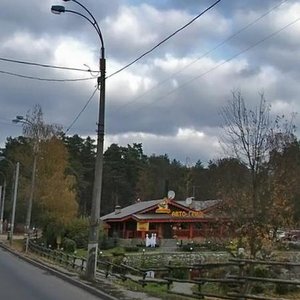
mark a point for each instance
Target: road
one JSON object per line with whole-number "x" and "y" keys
{"x": 20, "y": 280}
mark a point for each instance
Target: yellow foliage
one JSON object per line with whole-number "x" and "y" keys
{"x": 56, "y": 194}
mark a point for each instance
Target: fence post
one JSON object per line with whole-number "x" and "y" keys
{"x": 82, "y": 264}
{"x": 243, "y": 287}
{"x": 73, "y": 261}
{"x": 107, "y": 269}
{"x": 67, "y": 259}
{"x": 169, "y": 275}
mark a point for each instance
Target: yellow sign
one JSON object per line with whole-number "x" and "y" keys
{"x": 142, "y": 226}
{"x": 163, "y": 207}
{"x": 187, "y": 214}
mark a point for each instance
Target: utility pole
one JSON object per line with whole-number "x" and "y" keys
{"x": 36, "y": 136}
{"x": 91, "y": 264}
{"x": 2, "y": 206}
{"x": 14, "y": 203}
{"x": 29, "y": 209}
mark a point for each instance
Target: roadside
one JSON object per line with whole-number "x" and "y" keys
{"x": 104, "y": 288}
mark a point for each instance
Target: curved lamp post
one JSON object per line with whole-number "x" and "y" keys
{"x": 2, "y": 200}
{"x": 16, "y": 175}
{"x": 21, "y": 119}
{"x": 97, "y": 187}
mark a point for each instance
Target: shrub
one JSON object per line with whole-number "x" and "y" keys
{"x": 78, "y": 230}
{"x": 119, "y": 251}
{"x": 257, "y": 288}
{"x": 50, "y": 233}
{"x": 281, "y": 288}
{"x": 117, "y": 261}
{"x": 69, "y": 245}
{"x": 260, "y": 271}
{"x": 188, "y": 248}
{"x": 180, "y": 273}
{"x": 131, "y": 249}
{"x": 105, "y": 242}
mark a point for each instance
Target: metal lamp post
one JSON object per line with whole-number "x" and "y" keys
{"x": 2, "y": 200}
{"x": 21, "y": 119}
{"x": 97, "y": 188}
{"x": 13, "y": 213}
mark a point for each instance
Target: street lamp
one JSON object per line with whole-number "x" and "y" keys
{"x": 21, "y": 119}
{"x": 2, "y": 200}
{"x": 97, "y": 188}
{"x": 16, "y": 175}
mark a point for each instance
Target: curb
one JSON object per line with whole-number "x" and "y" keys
{"x": 83, "y": 285}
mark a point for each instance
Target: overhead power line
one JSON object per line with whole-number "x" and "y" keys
{"x": 225, "y": 61}
{"x": 206, "y": 53}
{"x": 22, "y": 62}
{"x": 82, "y": 110}
{"x": 147, "y": 52}
{"x": 164, "y": 40}
{"x": 93, "y": 71}
{"x": 44, "y": 79}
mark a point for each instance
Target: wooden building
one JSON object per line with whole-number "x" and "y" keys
{"x": 169, "y": 218}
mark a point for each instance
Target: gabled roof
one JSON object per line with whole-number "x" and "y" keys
{"x": 145, "y": 206}
{"x": 135, "y": 208}
{"x": 200, "y": 205}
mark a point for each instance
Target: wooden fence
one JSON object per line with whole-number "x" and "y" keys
{"x": 238, "y": 279}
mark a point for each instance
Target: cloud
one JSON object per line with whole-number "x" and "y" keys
{"x": 169, "y": 100}
{"x": 187, "y": 144}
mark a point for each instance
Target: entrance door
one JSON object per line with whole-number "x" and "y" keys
{"x": 167, "y": 231}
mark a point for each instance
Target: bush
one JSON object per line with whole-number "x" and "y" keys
{"x": 105, "y": 242}
{"x": 78, "y": 231}
{"x": 69, "y": 245}
{"x": 263, "y": 272}
{"x": 50, "y": 233}
{"x": 131, "y": 249}
{"x": 188, "y": 248}
{"x": 118, "y": 251}
{"x": 257, "y": 288}
{"x": 180, "y": 273}
{"x": 281, "y": 289}
{"x": 117, "y": 261}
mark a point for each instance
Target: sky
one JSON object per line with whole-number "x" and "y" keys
{"x": 170, "y": 100}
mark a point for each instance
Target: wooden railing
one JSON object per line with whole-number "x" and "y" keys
{"x": 239, "y": 278}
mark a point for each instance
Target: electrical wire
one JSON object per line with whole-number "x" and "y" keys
{"x": 205, "y": 54}
{"x": 46, "y": 65}
{"x": 147, "y": 52}
{"x": 224, "y": 62}
{"x": 164, "y": 40}
{"x": 82, "y": 110}
{"x": 92, "y": 71}
{"x": 45, "y": 79}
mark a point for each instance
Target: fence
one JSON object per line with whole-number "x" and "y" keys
{"x": 238, "y": 274}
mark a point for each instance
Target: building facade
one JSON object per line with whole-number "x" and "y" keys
{"x": 169, "y": 219}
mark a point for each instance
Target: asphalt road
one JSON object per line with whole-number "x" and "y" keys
{"x": 20, "y": 280}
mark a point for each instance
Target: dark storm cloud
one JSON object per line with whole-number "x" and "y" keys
{"x": 181, "y": 115}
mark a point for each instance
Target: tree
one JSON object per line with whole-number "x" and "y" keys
{"x": 82, "y": 165}
{"x": 154, "y": 179}
{"x": 250, "y": 136}
{"x": 122, "y": 170}
{"x": 55, "y": 190}
{"x": 284, "y": 190}
{"x": 17, "y": 150}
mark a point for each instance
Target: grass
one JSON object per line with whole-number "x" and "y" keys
{"x": 152, "y": 289}
{"x": 18, "y": 245}
{"x": 81, "y": 252}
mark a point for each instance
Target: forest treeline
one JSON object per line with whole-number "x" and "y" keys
{"x": 129, "y": 174}
{"x": 257, "y": 179}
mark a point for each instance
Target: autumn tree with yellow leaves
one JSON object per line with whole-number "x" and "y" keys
{"x": 55, "y": 189}
{"x": 253, "y": 137}
{"x": 53, "y": 193}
